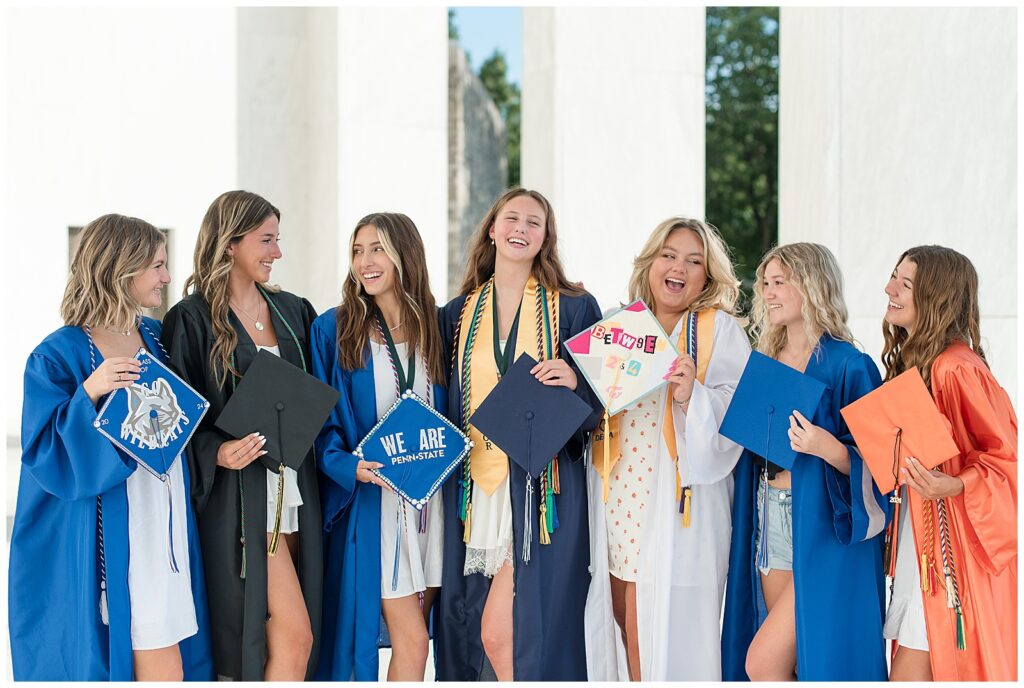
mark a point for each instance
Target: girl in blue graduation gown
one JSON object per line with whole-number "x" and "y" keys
{"x": 381, "y": 340}
{"x": 821, "y": 620}
{"x": 526, "y": 619}
{"x": 77, "y": 611}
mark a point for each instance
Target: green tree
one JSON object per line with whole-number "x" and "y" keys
{"x": 742, "y": 110}
{"x": 506, "y": 96}
{"x": 453, "y": 30}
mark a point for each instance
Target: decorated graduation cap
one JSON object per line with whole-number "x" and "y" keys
{"x": 531, "y": 422}
{"x": 896, "y": 421}
{"x": 152, "y": 420}
{"x": 758, "y": 416}
{"x": 624, "y": 356}
{"x": 418, "y": 447}
{"x": 286, "y": 405}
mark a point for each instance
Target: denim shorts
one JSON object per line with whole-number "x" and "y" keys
{"x": 780, "y": 527}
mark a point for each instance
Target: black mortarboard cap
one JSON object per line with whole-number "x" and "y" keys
{"x": 282, "y": 402}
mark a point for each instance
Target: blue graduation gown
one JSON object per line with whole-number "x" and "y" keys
{"x": 54, "y": 577}
{"x": 351, "y": 630}
{"x": 550, "y": 591}
{"x": 838, "y": 534}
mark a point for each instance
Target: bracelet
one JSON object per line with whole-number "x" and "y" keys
{"x": 683, "y": 405}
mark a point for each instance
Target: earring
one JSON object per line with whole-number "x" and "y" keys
{"x": 492, "y": 242}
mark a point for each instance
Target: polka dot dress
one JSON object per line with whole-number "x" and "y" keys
{"x": 629, "y": 487}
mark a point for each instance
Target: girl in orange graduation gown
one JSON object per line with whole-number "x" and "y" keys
{"x": 964, "y": 513}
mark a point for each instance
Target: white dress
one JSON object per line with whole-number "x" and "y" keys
{"x": 681, "y": 575}
{"x": 420, "y": 554}
{"x": 292, "y": 496}
{"x": 904, "y": 619}
{"x": 162, "y": 610}
{"x": 490, "y": 538}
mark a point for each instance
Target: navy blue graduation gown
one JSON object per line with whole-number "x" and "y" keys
{"x": 57, "y": 633}
{"x": 838, "y": 534}
{"x": 351, "y": 631}
{"x": 550, "y": 591}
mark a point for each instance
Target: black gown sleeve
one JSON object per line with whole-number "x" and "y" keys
{"x": 188, "y": 343}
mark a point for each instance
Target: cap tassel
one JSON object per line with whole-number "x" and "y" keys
{"x": 685, "y": 506}
{"x": 167, "y": 483}
{"x": 545, "y": 537}
{"x": 275, "y": 537}
{"x": 527, "y": 521}
{"x": 961, "y": 629}
{"x": 423, "y": 519}
{"x": 399, "y": 530}
{"x": 607, "y": 458}
{"x": 762, "y": 538}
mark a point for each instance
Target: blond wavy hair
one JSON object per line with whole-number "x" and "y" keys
{"x": 547, "y": 267}
{"x": 720, "y": 291}
{"x": 112, "y": 252}
{"x": 946, "y": 308}
{"x": 814, "y": 271}
{"x": 403, "y": 245}
{"x": 230, "y": 217}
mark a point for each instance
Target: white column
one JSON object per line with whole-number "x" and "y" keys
{"x": 897, "y": 127}
{"x": 613, "y": 130}
{"x": 392, "y": 137}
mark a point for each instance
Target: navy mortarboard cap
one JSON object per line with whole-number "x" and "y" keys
{"x": 283, "y": 403}
{"x": 153, "y": 419}
{"x": 758, "y": 416}
{"x": 418, "y": 447}
{"x": 531, "y": 422}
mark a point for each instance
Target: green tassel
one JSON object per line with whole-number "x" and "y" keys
{"x": 961, "y": 641}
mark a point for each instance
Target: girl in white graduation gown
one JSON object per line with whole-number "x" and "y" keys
{"x": 660, "y": 544}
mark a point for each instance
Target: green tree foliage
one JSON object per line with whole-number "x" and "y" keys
{"x": 506, "y": 95}
{"x": 453, "y": 30}
{"x": 742, "y": 106}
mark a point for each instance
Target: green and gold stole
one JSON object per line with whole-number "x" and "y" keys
{"x": 695, "y": 339}
{"x": 487, "y": 465}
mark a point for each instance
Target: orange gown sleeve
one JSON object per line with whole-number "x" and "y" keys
{"x": 984, "y": 427}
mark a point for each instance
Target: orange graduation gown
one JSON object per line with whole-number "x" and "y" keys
{"x": 982, "y": 525}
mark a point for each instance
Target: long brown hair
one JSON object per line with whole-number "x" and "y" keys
{"x": 814, "y": 271}
{"x": 946, "y": 309}
{"x": 230, "y": 217}
{"x": 112, "y": 251}
{"x": 356, "y": 315}
{"x": 547, "y": 268}
{"x": 722, "y": 289}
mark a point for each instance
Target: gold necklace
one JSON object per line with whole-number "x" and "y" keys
{"x": 256, "y": 321}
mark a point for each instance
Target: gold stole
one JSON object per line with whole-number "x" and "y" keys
{"x": 488, "y": 465}
{"x": 606, "y": 453}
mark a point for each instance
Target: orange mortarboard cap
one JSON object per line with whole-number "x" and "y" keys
{"x": 898, "y": 420}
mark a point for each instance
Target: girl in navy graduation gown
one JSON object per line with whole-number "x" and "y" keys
{"x": 381, "y": 340}
{"x": 92, "y": 594}
{"x": 811, "y": 605}
{"x": 526, "y": 618}
{"x": 264, "y": 602}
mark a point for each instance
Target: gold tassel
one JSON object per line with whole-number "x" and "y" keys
{"x": 467, "y": 528}
{"x": 686, "y": 507}
{"x": 925, "y": 580}
{"x": 276, "y": 536}
{"x": 555, "y": 483}
{"x": 545, "y": 538}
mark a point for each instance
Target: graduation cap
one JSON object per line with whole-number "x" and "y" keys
{"x": 895, "y": 421}
{"x": 285, "y": 404}
{"x": 531, "y": 422}
{"x": 152, "y": 420}
{"x": 418, "y": 447}
{"x": 758, "y": 416}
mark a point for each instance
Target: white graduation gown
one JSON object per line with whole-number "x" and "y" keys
{"x": 682, "y": 572}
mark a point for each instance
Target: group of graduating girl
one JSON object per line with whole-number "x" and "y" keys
{"x": 621, "y": 589}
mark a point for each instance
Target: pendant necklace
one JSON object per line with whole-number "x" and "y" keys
{"x": 256, "y": 321}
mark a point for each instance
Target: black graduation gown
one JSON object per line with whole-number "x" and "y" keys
{"x": 238, "y": 606}
{"x": 550, "y": 591}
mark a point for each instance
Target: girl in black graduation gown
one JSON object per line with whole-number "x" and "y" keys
{"x": 525, "y": 618}
{"x": 265, "y": 609}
